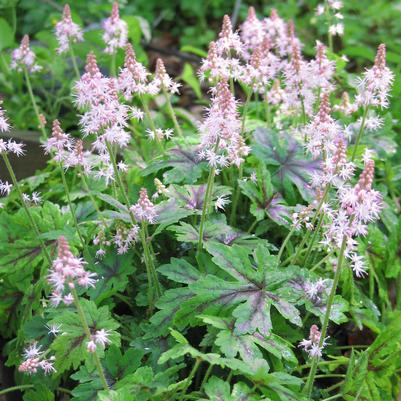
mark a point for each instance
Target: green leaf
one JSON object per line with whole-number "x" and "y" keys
{"x": 180, "y": 271}
{"x": 40, "y": 392}
{"x": 70, "y": 347}
{"x": 248, "y": 291}
{"x": 189, "y": 77}
{"x": 113, "y": 271}
{"x": 6, "y": 35}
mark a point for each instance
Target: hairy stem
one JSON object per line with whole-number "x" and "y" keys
{"x": 16, "y": 388}
{"x": 172, "y": 114}
{"x": 205, "y": 209}
{"x": 88, "y": 335}
{"x": 312, "y": 373}
{"x": 34, "y": 104}
{"x": 152, "y": 125}
{"x": 360, "y": 133}
{"x": 74, "y": 62}
{"x": 190, "y": 377}
{"x": 284, "y": 244}
{"x": 71, "y": 207}
{"x": 147, "y": 253}
{"x": 28, "y": 213}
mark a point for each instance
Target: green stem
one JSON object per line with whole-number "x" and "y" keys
{"x": 315, "y": 217}
{"x": 360, "y": 133}
{"x": 85, "y": 326}
{"x": 236, "y": 197}
{"x": 152, "y": 126}
{"x": 172, "y": 114}
{"x": 93, "y": 200}
{"x": 267, "y": 108}
{"x": 312, "y": 373}
{"x": 113, "y": 72}
{"x": 74, "y": 62}
{"x": 312, "y": 242}
{"x": 150, "y": 268}
{"x": 206, "y": 377}
{"x": 284, "y": 244}
{"x": 237, "y": 192}
{"x": 71, "y": 207}
{"x": 28, "y": 213}
{"x": 205, "y": 209}
{"x": 250, "y": 229}
{"x": 333, "y": 397}
{"x": 190, "y": 377}
{"x": 16, "y": 388}
{"x": 320, "y": 262}
{"x": 34, "y": 104}
{"x": 148, "y": 258}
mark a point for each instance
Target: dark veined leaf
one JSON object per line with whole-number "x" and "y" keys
{"x": 247, "y": 345}
{"x": 316, "y": 304}
{"x": 113, "y": 271}
{"x": 250, "y": 290}
{"x": 265, "y": 202}
{"x": 191, "y": 197}
{"x": 70, "y": 347}
{"x": 116, "y": 365}
{"x": 180, "y": 271}
{"x": 217, "y": 230}
{"x": 287, "y": 158}
{"x": 185, "y": 164}
{"x": 184, "y": 348}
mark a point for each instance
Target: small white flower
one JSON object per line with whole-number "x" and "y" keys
{"x": 221, "y": 202}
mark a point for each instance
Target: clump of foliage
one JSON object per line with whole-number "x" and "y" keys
{"x": 251, "y": 254}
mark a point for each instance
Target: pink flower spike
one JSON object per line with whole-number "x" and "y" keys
{"x": 67, "y": 32}
{"x": 24, "y": 58}
{"x": 115, "y": 31}
{"x": 144, "y": 210}
{"x": 4, "y": 125}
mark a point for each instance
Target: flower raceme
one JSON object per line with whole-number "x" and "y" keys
{"x": 359, "y": 205}
{"x": 115, "y": 31}
{"x": 67, "y": 31}
{"x": 133, "y": 78}
{"x": 35, "y": 360}
{"x": 221, "y": 141}
{"x": 23, "y": 58}
{"x": 375, "y": 85}
{"x": 144, "y": 209}
{"x": 66, "y": 272}
{"x": 311, "y": 345}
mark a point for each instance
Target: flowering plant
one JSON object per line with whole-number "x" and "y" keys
{"x": 248, "y": 253}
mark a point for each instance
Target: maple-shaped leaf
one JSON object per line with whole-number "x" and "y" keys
{"x": 180, "y": 271}
{"x": 247, "y": 345}
{"x": 250, "y": 285}
{"x": 70, "y": 347}
{"x": 286, "y": 156}
{"x": 216, "y": 229}
{"x": 186, "y": 166}
{"x": 217, "y": 389}
{"x": 265, "y": 201}
{"x": 115, "y": 364}
{"x": 113, "y": 271}
{"x": 318, "y": 303}
{"x": 191, "y": 197}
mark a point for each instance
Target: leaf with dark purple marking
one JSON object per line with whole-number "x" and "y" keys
{"x": 265, "y": 202}
{"x": 248, "y": 285}
{"x": 217, "y": 231}
{"x": 287, "y": 158}
{"x": 184, "y": 165}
